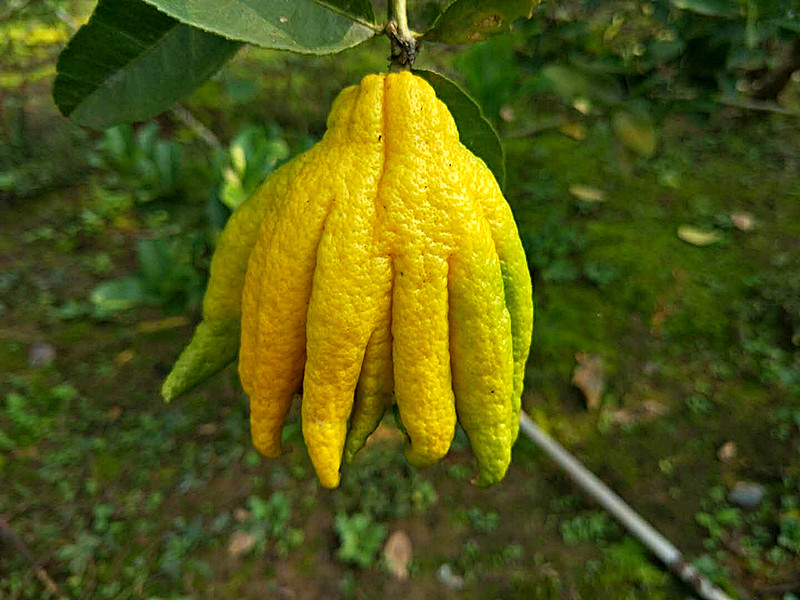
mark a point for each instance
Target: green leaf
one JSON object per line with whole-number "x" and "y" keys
{"x": 118, "y": 295}
{"x": 475, "y": 131}
{"x": 155, "y": 262}
{"x": 358, "y": 10}
{"x": 469, "y": 21}
{"x": 788, "y": 23}
{"x": 302, "y": 26}
{"x": 130, "y": 62}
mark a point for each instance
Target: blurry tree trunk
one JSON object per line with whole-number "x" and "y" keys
{"x": 772, "y": 85}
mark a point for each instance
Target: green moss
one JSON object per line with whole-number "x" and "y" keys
{"x": 12, "y": 356}
{"x": 626, "y": 573}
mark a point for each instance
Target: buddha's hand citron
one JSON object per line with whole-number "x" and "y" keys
{"x": 381, "y": 266}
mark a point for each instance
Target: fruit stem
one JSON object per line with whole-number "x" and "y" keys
{"x": 404, "y": 45}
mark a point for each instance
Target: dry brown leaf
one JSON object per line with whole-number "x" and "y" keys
{"x": 698, "y": 237}
{"x": 588, "y": 378}
{"x": 636, "y": 132}
{"x": 241, "y": 543}
{"x": 207, "y": 429}
{"x": 622, "y": 416}
{"x": 507, "y": 114}
{"x": 743, "y": 221}
{"x": 654, "y": 408}
{"x": 574, "y": 130}
{"x": 112, "y": 414}
{"x": 727, "y": 451}
{"x": 582, "y": 105}
{"x": 241, "y": 514}
{"x": 31, "y": 452}
{"x": 124, "y": 357}
{"x": 587, "y": 193}
{"x": 397, "y": 553}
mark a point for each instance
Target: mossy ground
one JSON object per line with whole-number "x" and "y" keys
{"x": 120, "y": 496}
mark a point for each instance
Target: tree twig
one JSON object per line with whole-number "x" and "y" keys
{"x": 404, "y": 44}
{"x": 185, "y": 116}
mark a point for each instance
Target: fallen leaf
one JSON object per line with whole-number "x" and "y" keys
{"x": 112, "y": 414}
{"x": 588, "y": 378}
{"x": 587, "y": 193}
{"x": 161, "y": 324}
{"x": 507, "y": 114}
{"x": 207, "y": 429}
{"x": 654, "y": 407}
{"x": 241, "y": 543}
{"x": 621, "y": 417}
{"x": 582, "y": 105}
{"x": 241, "y": 514}
{"x": 124, "y": 357}
{"x": 636, "y": 132}
{"x": 727, "y": 451}
{"x": 397, "y": 553}
{"x": 743, "y": 221}
{"x": 31, "y": 452}
{"x": 698, "y": 237}
{"x": 574, "y": 130}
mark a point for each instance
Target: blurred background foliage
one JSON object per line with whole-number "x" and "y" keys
{"x": 654, "y": 174}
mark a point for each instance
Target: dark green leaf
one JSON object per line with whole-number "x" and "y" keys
{"x": 469, "y": 21}
{"x": 154, "y": 261}
{"x": 475, "y": 131}
{"x": 300, "y": 25}
{"x": 359, "y": 10}
{"x": 788, "y": 23}
{"x": 130, "y": 62}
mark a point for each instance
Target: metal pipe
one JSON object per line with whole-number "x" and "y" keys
{"x": 663, "y": 549}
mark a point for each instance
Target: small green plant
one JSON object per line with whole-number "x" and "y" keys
{"x": 30, "y": 416}
{"x": 626, "y": 572}
{"x": 789, "y": 535}
{"x": 483, "y": 521}
{"x": 80, "y": 554}
{"x": 384, "y": 487}
{"x": 184, "y": 537}
{"x": 269, "y": 524}
{"x": 600, "y": 274}
{"x": 552, "y": 250}
{"x": 254, "y": 153}
{"x": 140, "y": 162}
{"x": 588, "y": 526}
{"x": 168, "y": 276}
{"x": 360, "y": 538}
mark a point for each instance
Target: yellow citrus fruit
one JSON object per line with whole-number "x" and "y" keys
{"x": 381, "y": 266}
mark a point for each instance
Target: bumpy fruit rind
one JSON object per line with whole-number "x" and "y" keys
{"x": 381, "y": 266}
